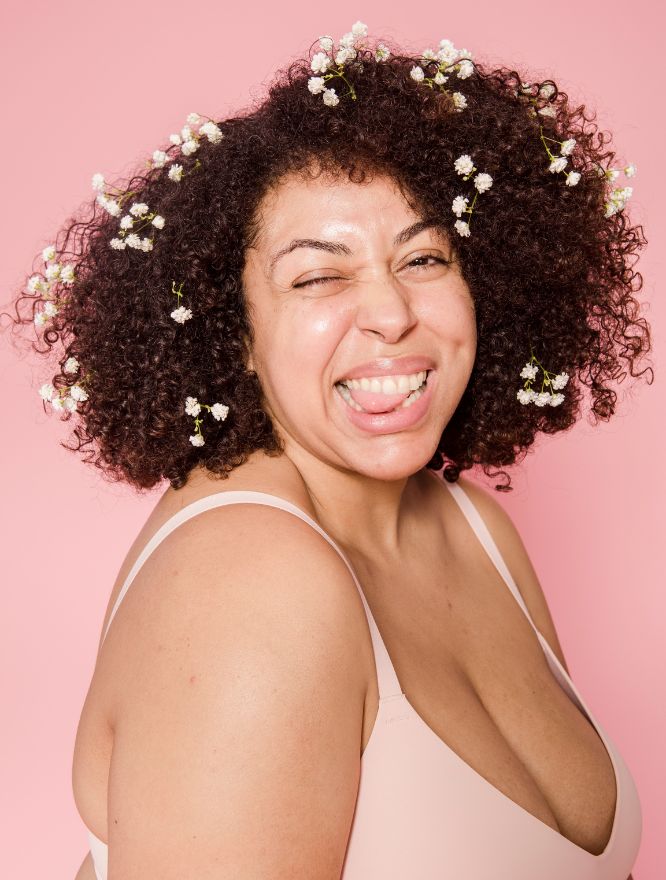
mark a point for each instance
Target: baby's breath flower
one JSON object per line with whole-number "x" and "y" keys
{"x": 572, "y": 178}
{"x": 34, "y": 284}
{"x": 181, "y": 314}
{"x": 138, "y": 209}
{"x": 212, "y": 131}
{"x": 49, "y": 253}
{"x": 381, "y": 52}
{"x": 189, "y": 147}
{"x": 71, "y": 365}
{"x": 118, "y": 244}
{"x": 316, "y": 84}
{"x": 330, "y": 97}
{"x": 47, "y": 391}
{"x": 175, "y": 139}
{"x": 160, "y": 158}
{"x": 52, "y": 271}
{"x": 463, "y": 164}
{"x": 529, "y": 371}
{"x": 50, "y": 309}
{"x": 439, "y": 78}
{"x": 192, "y": 406}
{"x": 197, "y": 440}
{"x": 326, "y": 43}
{"x": 127, "y": 222}
{"x": 465, "y": 69}
{"x": 459, "y": 100}
{"x": 67, "y": 274}
{"x": 630, "y": 170}
{"x": 417, "y": 73}
{"x": 98, "y": 182}
{"x": 193, "y": 118}
{"x": 558, "y": 164}
{"x": 77, "y": 393}
{"x": 219, "y": 411}
{"x": 57, "y": 404}
{"x": 359, "y": 29}
{"x": 175, "y": 172}
{"x": 320, "y": 62}
{"x": 462, "y": 227}
{"x": 547, "y": 111}
{"x": 483, "y": 182}
{"x": 133, "y": 240}
{"x": 459, "y": 205}
{"x": 567, "y": 146}
{"x": 158, "y": 221}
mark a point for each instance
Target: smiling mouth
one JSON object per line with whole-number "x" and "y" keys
{"x": 411, "y": 398}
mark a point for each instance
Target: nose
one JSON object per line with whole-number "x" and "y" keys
{"x": 385, "y": 309}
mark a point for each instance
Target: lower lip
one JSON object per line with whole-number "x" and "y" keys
{"x": 387, "y": 423}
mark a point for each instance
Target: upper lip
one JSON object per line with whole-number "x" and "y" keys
{"x": 403, "y": 366}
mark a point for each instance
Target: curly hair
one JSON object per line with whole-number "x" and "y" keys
{"x": 549, "y": 271}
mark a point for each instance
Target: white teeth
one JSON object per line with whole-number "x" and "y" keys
{"x": 389, "y": 385}
{"x": 407, "y": 402}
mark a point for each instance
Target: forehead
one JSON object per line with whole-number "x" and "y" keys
{"x": 300, "y": 204}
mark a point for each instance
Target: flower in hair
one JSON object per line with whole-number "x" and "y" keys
{"x": 449, "y": 61}
{"x": 180, "y": 314}
{"x": 527, "y": 394}
{"x": 331, "y": 63}
{"x": 482, "y": 182}
{"x": 193, "y": 407}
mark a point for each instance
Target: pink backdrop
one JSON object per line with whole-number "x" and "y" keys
{"x": 97, "y": 87}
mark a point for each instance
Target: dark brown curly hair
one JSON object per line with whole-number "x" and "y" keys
{"x": 549, "y": 272}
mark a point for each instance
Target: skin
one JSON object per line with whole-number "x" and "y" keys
{"x": 379, "y": 303}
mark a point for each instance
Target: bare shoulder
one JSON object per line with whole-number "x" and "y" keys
{"x": 241, "y": 714}
{"x": 515, "y": 554}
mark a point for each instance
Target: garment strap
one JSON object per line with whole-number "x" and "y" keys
{"x": 481, "y": 531}
{"x": 387, "y": 679}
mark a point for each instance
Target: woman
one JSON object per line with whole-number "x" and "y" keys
{"x": 393, "y": 261}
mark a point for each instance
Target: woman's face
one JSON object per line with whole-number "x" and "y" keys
{"x": 379, "y": 291}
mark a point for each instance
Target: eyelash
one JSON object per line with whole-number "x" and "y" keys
{"x": 313, "y": 281}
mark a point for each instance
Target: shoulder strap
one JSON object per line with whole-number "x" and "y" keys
{"x": 386, "y": 676}
{"x": 487, "y": 541}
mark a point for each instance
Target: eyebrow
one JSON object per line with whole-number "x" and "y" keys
{"x": 334, "y": 247}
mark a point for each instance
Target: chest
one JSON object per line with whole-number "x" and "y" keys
{"x": 472, "y": 667}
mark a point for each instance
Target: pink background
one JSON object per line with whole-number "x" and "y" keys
{"x": 97, "y": 87}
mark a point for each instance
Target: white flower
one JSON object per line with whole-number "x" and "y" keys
{"x": 630, "y": 170}
{"x": 359, "y": 29}
{"x": 529, "y": 371}
{"x": 118, "y": 244}
{"x": 70, "y": 404}
{"x": 34, "y": 284}
{"x": 320, "y": 62}
{"x": 47, "y": 391}
{"x": 459, "y": 205}
{"x": 138, "y": 209}
{"x": 381, "y": 52}
{"x": 344, "y": 54}
{"x": 330, "y": 98}
{"x": 547, "y": 90}
{"x": 77, "y": 393}
{"x": 192, "y": 406}
{"x": 127, "y": 222}
{"x": 560, "y": 381}
{"x": 98, "y": 182}
{"x": 547, "y": 111}
{"x": 464, "y": 164}
{"x": 347, "y": 40}
{"x": 558, "y": 164}
{"x": 193, "y": 119}
{"x": 189, "y": 147}
{"x": 465, "y": 69}
{"x": 212, "y": 131}
{"x": 439, "y": 78}
{"x": 483, "y": 182}
{"x": 566, "y": 147}
{"x": 158, "y": 221}
{"x": 133, "y": 240}
{"x": 417, "y": 73}
{"x": 146, "y": 244}
{"x": 71, "y": 365}
{"x": 176, "y": 172}
{"x": 109, "y": 205}
{"x": 459, "y": 100}
{"x": 447, "y": 52}
{"x": 52, "y": 271}
{"x": 67, "y": 273}
{"x": 175, "y": 139}
{"x": 40, "y": 319}
{"x": 196, "y": 440}
{"x": 181, "y": 314}
{"x": 525, "y": 395}
{"x": 462, "y": 227}
{"x": 572, "y": 178}
{"x": 556, "y": 399}
{"x": 326, "y": 43}
{"x": 186, "y": 133}
{"x": 219, "y": 411}
{"x": 610, "y": 209}
{"x": 49, "y": 253}
{"x": 50, "y": 309}
{"x": 542, "y": 398}
{"x": 612, "y": 173}
{"x": 428, "y": 54}
{"x": 56, "y": 403}
{"x": 160, "y": 158}
{"x": 316, "y": 84}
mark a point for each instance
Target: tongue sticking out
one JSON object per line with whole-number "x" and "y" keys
{"x": 375, "y": 402}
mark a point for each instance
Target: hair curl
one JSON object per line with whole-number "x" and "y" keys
{"x": 547, "y": 270}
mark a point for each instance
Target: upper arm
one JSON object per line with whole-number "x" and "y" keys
{"x": 515, "y": 555}
{"x": 237, "y": 744}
